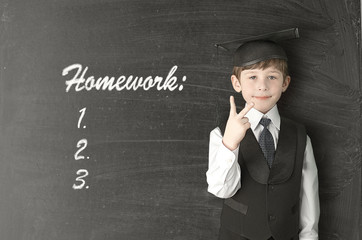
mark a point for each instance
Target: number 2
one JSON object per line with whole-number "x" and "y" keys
{"x": 82, "y": 144}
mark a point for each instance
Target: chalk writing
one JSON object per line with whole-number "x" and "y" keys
{"x": 81, "y": 146}
{"x": 80, "y": 82}
{"x": 82, "y": 111}
{"x": 83, "y": 173}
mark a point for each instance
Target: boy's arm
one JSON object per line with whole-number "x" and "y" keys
{"x": 223, "y": 175}
{"x": 309, "y": 212}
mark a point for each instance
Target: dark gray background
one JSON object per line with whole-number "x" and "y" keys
{"x": 148, "y": 150}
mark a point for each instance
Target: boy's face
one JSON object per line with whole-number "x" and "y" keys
{"x": 263, "y": 87}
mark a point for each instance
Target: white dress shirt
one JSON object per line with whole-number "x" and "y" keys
{"x": 223, "y": 175}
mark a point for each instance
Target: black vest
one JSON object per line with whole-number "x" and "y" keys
{"x": 268, "y": 202}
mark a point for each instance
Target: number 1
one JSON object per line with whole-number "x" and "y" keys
{"x": 82, "y": 111}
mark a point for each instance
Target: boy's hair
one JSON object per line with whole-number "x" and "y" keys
{"x": 279, "y": 64}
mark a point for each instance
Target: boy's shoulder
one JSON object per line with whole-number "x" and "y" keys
{"x": 292, "y": 121}
{"x": 300, "y": 128}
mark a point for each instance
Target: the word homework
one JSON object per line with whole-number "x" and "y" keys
{"x": 80, "y": 82}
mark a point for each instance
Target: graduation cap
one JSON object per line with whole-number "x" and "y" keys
{"x": 255, "y": 49}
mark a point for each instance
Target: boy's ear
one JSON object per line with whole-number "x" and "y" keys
{"x": 236, "y": 84}
{"x": 286, "y": 83}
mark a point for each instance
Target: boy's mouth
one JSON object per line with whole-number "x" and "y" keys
{"x": 262, "y": 97}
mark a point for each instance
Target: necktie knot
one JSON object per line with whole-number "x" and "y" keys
{"x": 265, "y": 122}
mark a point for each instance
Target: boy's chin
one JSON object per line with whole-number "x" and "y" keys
{"x": 263, "y": 109}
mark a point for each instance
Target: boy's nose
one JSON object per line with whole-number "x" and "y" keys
{"x": 262, "y": 85}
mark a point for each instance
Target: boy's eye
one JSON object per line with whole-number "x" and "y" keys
{"x": 252, "y": 77}
{"x": 272, "y": 77}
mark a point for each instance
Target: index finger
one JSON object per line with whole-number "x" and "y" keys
{"x": 232, "y": 106}
{"x": 246, "y": 109}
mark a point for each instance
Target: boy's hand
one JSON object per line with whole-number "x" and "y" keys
{"x": 236, "y": 126}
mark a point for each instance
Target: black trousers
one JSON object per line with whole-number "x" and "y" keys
{"x": 243, "y": 238}
{"x": 224, "y": 234}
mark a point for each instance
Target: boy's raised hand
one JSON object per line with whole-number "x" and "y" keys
{"x": 236, "y": 126}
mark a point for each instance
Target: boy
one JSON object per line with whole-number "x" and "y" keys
{"x": 263, "y": 164}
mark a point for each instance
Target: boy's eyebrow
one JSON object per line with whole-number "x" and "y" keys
{"x": 252, "y": 71}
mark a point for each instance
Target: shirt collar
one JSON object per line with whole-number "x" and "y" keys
{"x": 255, "y": 116}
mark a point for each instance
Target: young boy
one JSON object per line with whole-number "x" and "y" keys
{"x": 263, "y": 164}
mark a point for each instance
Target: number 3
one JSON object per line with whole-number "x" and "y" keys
{"x": 80, "y": 179}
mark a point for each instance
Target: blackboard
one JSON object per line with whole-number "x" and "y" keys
{"x": 142, "y": 141}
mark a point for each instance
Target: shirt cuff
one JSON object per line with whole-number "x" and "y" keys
{"x": 311, "y": 237}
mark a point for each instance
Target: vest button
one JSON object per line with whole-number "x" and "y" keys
{"x": 272, "y": 218}
{"x": 271, "y": 187}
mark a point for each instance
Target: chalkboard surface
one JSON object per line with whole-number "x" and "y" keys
{"x": 107, "y": 105}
